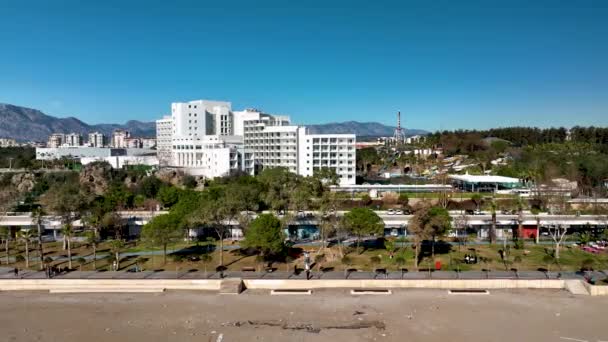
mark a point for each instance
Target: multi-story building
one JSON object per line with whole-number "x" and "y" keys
{"x": 73, "y": 139}
{"x": 7, "y": 142}
{"x": 164, "y": 136}
{"x": 207, "y": 138}
{"x": 148, "y": 142}
{"x": 133, "y": 143}
{"x": 96, "y": 139}
{"x": 119, "y": 138}
{"x": 334, "y": 151}
{"x": 56, "y": 140}
{"x": 271, "y": 142}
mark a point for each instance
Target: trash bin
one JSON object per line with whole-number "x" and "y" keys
{"x": 437, "y": 265}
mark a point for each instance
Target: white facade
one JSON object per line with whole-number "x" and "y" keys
{"x": 56, "y": 140}
{"x": 96, "y": 139}
{"x": 148, "y": 142}
{"x": 207, "y": 138}
{"x": 164, "y": 136}
{"x": 72, "y": 139}
{"x": 334, "y": 151}
{"x": 79, "y": 152}
{"x": 118, "y": 162}
{"x": 119, "y": 138}
{"x": 7, "y": 142}
{"x": 133, "y": 143}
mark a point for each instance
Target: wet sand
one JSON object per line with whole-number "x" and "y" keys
{"x": 328, "y": 315}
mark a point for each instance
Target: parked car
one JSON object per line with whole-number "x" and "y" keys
{"x": 391, "y": 211}
{"x": 398, "y": 212}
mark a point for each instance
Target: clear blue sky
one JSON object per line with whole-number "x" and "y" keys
{"x": 444, "y": 64}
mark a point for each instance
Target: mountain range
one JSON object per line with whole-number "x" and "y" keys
{"x": 27, "y": 124}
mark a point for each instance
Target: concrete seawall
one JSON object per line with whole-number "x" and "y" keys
{"x": 108, "y": 284}
{"x": 596, "y": 290}
{"x": 274, "y": 284}
{"x": 575, "y": 286}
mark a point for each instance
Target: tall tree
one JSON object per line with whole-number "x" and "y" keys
{"x": 116, "y": 246}
{"x": 219, "y": 209}
{"x": 67, "y": 201}
{"x": 265, "y": 234}
{"x": 327, "y": 217}
{"x": 8, "y": 200}
{"x": 26, "y": 236}
{"x": 493, "y": 208}
{"x": 279, "y": 183}
{"x": 439, "y": 225}
{"x": 161, "y": 231}
{"x": 68, "y": 233}
{"x": 37, "y": 214}
{"x": 428, "y": 223}
{"x": 5, "y": 234}
{"x": 363, "y": 221}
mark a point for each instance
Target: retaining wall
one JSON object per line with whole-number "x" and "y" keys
{"x": 406, "y": 283}
{"x": 596, "y": 290}
{"x": 270, "y": 284}
{"x": 82, "y": 284}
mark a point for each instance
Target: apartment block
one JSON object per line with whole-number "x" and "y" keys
{"x": 207, "y": 138}
{"x": 96, "y": 139}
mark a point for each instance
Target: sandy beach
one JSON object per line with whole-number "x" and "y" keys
{"x": 332, "y": 315}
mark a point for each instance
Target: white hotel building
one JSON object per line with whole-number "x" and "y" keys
{"x": 207, "y": 138}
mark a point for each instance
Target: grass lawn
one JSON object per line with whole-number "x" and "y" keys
{"x": 531, "y": 257}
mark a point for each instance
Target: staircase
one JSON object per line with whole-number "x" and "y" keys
{"x": 576, "y": 287}
{"x": 231, "y": 286}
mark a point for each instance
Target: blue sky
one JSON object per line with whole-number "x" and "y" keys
{"x": 444, "y": 64}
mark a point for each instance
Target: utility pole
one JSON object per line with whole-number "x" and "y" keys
{"x": 10, "y": 163}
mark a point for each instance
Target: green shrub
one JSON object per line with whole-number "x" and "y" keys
{"x": 519, "y": 244}
{"x": 177, "y": 257}
{"x": 19, "y": 258}
{"x": 400, "y": 260}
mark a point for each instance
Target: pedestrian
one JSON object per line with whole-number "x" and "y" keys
{"x": 16, "y": 271}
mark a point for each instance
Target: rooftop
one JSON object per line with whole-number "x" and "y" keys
{"x": 484, "y": 179}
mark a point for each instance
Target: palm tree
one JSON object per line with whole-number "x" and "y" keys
{"x": 92, "y": 240}
{"x": 37, "y": 214}
{"x": 26, "y": 236}
{"x": 493, "y": 208}
{"x": 94, "y": 219}
{"x": 5, "y": 232}
{"x": 115, "y": 247}
{"x": 68, "y": 233}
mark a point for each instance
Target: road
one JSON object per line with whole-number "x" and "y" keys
{"x": 311, "y": 217}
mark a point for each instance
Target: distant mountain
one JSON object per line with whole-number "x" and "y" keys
{"x": 26, "y": 124}
{"x": 370, "y": 129}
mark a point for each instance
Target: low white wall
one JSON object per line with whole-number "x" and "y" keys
{"x": 596, "y": 290}
{"x": 406, "y": 283}
{"x": 168, "y": 284}
{"x": 270, "y": 284}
